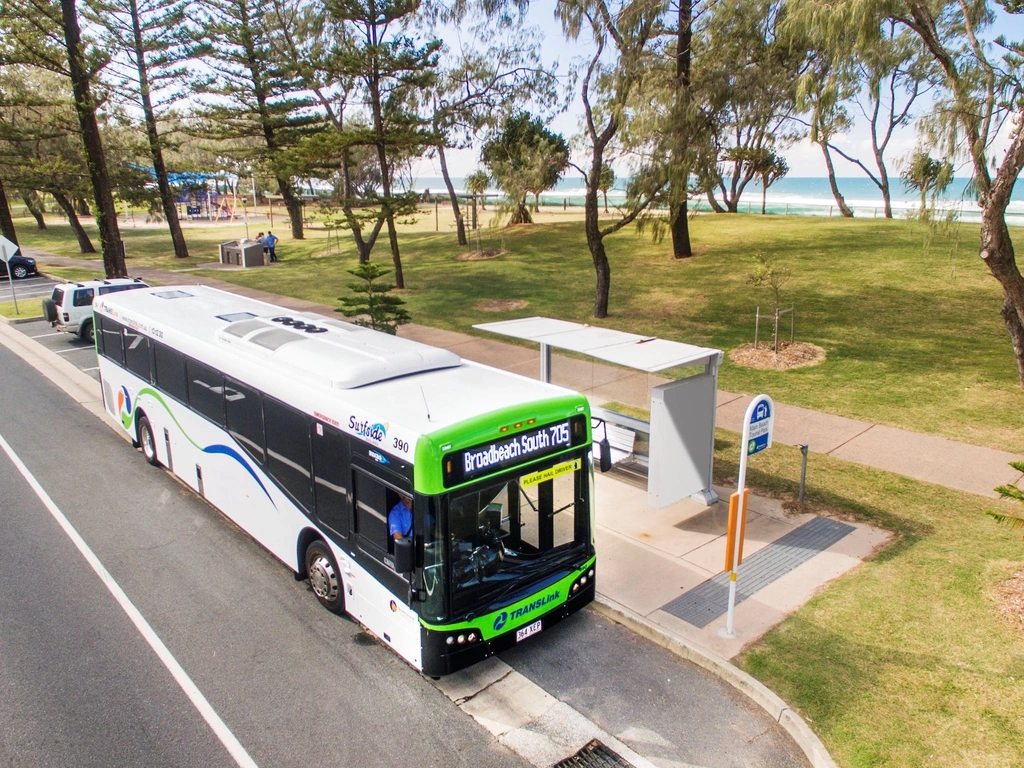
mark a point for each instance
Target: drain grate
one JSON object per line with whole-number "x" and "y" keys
{"x": 594, "y": 755}
{"x": 706, "y": 602}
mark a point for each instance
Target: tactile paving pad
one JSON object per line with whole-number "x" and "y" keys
{"x": 709, "y": 600}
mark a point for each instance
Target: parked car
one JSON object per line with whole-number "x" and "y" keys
{"x": 21, "y": 266}
{"x": 69, "y": 307}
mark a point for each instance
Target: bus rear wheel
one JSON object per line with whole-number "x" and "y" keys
{"x": 147, "y": 442}
{"x": 324, "y": 577}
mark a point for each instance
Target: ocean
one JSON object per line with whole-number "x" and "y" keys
{"x": 795, "y": 196}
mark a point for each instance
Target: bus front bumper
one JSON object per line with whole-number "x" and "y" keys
{"x": 440, "y": 658}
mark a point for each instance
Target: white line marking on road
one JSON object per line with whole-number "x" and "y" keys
{"x": 44, "y": 335}
{"x": 86, "y": 370}
{"x": 75, "y": 349}
{"x": 220, "y": 729}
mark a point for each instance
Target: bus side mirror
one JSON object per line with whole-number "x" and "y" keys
{"x": 404, "y": 555}
{"x": 606, "y": 454}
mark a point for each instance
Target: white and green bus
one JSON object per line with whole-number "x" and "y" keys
{"x": 306, "y": 431}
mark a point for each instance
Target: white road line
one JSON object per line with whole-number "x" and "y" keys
{"x": 220, "y": 729}
{"x": 44, "y": 335}
{"x": 86, "y": 370}
{"x": 74, "y": 349}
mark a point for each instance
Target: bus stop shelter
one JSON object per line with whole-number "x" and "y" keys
{"x": 682, "y": 412}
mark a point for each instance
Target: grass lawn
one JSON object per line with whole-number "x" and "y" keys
{"x": 909, "y": 320}
{"x": 904, "y": 661}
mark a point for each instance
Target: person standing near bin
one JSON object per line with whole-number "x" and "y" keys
{"x": 271, "y": 244}
{"x": 262, "y": 241}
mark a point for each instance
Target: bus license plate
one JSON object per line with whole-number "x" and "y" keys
{"x": 526, "y": 631}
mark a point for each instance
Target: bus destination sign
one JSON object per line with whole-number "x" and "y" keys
{"x": 521, "y": 448}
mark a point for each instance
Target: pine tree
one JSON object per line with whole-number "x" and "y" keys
{"x": 372, "y": 306}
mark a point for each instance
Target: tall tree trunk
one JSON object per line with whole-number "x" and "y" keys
{"x": 764, "y": 197}
{"x": 385, "y": 177}
{"x": 680, "y": 222}
{"x": 713, "y": 202}
{"x": 883, "y": 185}
{"x": 6, "y": 220}
{"x": 840, "y": 200}
{"x": 520, "y": 214}
{"x": 396, "y": 258}
{"x": 155, "y": 150}
{"x": 35, "y": 206}
{"x": 1016, "y": 330}
{"x": 293, "y": 204}
{"x": 460, "y": 225}
{"x": 595, "y": 241}
{"x": 85, "y": 106}
{"x": 84, "y": 243}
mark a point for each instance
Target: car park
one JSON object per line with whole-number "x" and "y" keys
{"x": 69, "y": 307}
{"x": 21, "y": 266}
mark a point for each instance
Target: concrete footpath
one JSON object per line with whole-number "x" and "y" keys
{"x": 661, "y": 570}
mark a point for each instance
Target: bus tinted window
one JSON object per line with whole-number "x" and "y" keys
{"x": 136, "y": 353}
{"x": 205, "y": 390}
{"x": 245, "y": 417}
{"x": 371, "y": 508}
{"x": 110, "y": 347}
{"x": 330, "y": 460}
{"x": 169, "y": 372}
{"x": 288, "y": 450}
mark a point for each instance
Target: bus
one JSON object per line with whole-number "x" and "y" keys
{"x": 306, "y": 431}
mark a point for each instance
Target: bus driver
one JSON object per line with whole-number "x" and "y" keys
{"x": 400, "y": 518}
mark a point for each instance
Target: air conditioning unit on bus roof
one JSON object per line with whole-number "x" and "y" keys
{"x": 339, "y": 354}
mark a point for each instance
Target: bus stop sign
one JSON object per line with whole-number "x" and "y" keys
{"x": 760, "y": 420}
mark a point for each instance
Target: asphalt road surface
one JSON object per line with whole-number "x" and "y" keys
{"x": 292, "y": 683}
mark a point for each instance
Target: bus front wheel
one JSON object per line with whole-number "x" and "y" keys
{"x": 324, "y": 577}
{"x": 147, "y": 441}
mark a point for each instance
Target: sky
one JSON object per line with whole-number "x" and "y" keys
{"x": 804, "y": 158}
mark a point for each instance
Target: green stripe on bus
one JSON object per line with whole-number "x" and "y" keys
{"x": 520, "y": 613}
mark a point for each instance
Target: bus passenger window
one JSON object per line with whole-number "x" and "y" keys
{"x": 288, "y": 450}
{"x": 205, "y": 390}
{"x": 111, "y": 346}
{"x": 244, "y": 417}
{"x": 169, "y": 372}
{"x": 371, "y": 508}
{"x": 136, "y": 353}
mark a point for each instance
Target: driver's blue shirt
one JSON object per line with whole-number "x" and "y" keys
{"x": 400, "y": 520}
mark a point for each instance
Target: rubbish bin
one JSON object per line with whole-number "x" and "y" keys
{"x": 242, "y": 253}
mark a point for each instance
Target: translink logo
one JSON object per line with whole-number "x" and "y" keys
{"x": 504, "y": 617}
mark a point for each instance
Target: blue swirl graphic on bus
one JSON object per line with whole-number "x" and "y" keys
{"x": 499, "y": 622}
{"x": 223, "y": 450}
{"x": 229, "y": 451}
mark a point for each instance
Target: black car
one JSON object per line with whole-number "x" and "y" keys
{"x": 21, "y": 266}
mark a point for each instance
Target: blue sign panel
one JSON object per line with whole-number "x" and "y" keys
{"x": 759, "y": 431}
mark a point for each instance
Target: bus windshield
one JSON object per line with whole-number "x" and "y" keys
{"x": 506, "y": 532}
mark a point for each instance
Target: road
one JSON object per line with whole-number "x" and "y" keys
{"x": 291, "y": 682}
